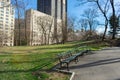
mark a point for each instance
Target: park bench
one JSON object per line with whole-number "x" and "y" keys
{"x": 67, "y": 57}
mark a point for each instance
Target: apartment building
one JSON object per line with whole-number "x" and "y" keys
{"x": 58, "y": 10}
{"x": 50, "y": 13}
{"x": 40, "y": 27}
{"x": 7, "y": 13}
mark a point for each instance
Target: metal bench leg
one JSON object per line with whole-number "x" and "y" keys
{"x": 68, "y": 66}
{"x": 76, "y": 60}
{"x": 60, "y": 64}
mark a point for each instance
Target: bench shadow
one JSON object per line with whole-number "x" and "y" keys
{"x": 117, "y": 79}
{"x": 97, "y": 63}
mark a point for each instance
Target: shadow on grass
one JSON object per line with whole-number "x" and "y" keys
{"x": 21, "y": 71}
{"x": 97, "y": 63}
{"x": 45, "y": 63}
{"x": 40, "y": 68}
{"x": 64, "y": 47}
{"x": 26, "y": 61}
{"x": 6, "y": 53}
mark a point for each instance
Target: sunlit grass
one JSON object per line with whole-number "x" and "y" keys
{"x": 18, "y": 63}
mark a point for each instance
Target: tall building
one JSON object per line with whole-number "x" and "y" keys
{"x": 58, "y": 10}
{"x": 45, "y": 23}
{"x": 44, "y": 6}
{"x": 7, "y": 13}
{"x": 55, "y": 8}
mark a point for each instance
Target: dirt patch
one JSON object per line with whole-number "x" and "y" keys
{"x": 51, "y": 75}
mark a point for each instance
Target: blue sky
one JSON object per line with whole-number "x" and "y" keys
{"x": 75, "y": 10}
{"x": 72, "y": 8}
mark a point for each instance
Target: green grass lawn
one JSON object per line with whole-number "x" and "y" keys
{"x": 18, "y": 63}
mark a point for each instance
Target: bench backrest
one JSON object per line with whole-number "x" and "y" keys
{"x": 64, "y": 55}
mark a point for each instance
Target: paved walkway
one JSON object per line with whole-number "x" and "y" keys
{"x": 104, "y": 65}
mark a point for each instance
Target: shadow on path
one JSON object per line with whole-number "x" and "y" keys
{"x": 117, "y": 79}
{"x": 97, "y": 63}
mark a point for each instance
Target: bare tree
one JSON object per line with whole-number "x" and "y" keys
{"x": 83, "y": 24}
{"x": 21, "y": 7}
{"x": 113, "y": 18}
{"x": 17, "y": 5}
{"x": 1, "y": 38}
{"x": 90, "y": 16}
{"x": 25, "y": 6}
{"x": 5, "y": 38}
{"x": 103, "y": 6}
{"x": 45, "y": 26}
{"x": 71, "y": 27}
{"x": 22, "y": 34}
{"x": 64, "y": 23}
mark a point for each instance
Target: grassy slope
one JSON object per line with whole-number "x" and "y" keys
{"x": 18, "y": 63}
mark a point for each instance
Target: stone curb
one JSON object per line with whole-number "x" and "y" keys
{"x": 68, "y": 72}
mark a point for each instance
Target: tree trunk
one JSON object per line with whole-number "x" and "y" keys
{"x": 18, "y": 15}
{"x": 55, "y": 31}
{"x": 106, "y": 19}
{"x": 114, "y": 27}
{"x": 106, "y": 26}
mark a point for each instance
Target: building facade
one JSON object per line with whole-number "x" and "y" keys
{"x": 55, "y": 8}
{"x": 7, "y": 13}
{"x": 40, "y": 27}
{"x": 44, "y": 6}
{"x": 46, "y": 22}
{"x": 58, "y": 10}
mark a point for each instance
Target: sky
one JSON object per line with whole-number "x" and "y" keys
{"x": 73, "y": 10}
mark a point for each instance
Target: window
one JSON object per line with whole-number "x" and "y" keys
{"x": 6, "y": 28}
{"x": 7, "y": 19}
{"x": 10, "y": 44}
{"x": 7, "y": 0}
{"x": 1, "y": 17}
{"x": 7, "y": 9}
{"x": 7, "y": 22}
{"x": 7, "y": 16}
{"x": 1, "y": 26}
{"x": 12, "y": 11}
{"x": 2, "y": 3}
{"x": 2, "y": 14}
{"x": 2, "y": 11}
{"x": 7, "y": 12}
{"x": 6, "y": 25}
{"x": 12, "y": 23}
